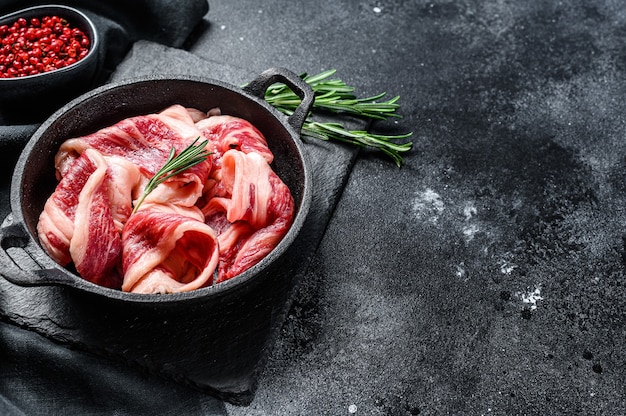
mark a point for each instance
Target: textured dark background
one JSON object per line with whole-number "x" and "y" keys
{"x": 486, "y": 276}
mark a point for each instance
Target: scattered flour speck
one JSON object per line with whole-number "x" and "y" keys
{"x": 428, "y": 203}
{"x": 469, "y": 231}
{"x": 506, "y": 267}
{"x": 469, "y": 211}
{"x": 531, "y": 297}
{"x": 460, "y": 272}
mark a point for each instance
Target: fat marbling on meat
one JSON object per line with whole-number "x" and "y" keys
{"x": 167, "y": 249}
{"x": 252, "y": 212}
{"x": 77, "y": 221}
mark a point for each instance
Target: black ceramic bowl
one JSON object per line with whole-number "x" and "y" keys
{"x": 212, "y": 338}
{"x": 49, "y": 88}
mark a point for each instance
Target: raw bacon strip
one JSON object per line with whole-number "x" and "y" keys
{"x": 258, "y": 209}
{"x": 124, "y": 184}
{"x": 77, "y": 224}
{"x": 143, "y": 140}
{"x": 182, "y": 120}
{"x": 56, "y": 223}
{"x": 146, "y": 141}
{"x": 228, "y": 132}
{"x": 230, "y": 235}
{"x": 166, "y": 252}
{"x": 183, "y": 189}
{"x": 96, "y": 245}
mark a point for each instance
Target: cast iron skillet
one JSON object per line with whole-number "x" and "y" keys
{"x": 34, "y": 180}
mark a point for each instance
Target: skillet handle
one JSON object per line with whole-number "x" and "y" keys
{"x": 15, "y": 236}
{"x": 303, "y": 90}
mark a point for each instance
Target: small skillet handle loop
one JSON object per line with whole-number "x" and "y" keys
{"x": 15, "y": 236}
{"x": 12, "y": 236}
{"x": 303, "y": 90}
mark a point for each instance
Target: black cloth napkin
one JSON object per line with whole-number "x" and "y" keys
{"x": 38, "y": 377}
{"x": 120, "y": 24}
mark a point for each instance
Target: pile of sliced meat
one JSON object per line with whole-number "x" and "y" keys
{"x": 200, "y": 227}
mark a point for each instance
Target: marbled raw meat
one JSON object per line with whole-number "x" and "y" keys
{"x": 225, "y": 133}
{"x": 167, "y": 251}
{"x": 123, "y": 189}
{"x": 252, "y": 214}
{"x": 77, "y": 222}
{"x": 146, "y": 141}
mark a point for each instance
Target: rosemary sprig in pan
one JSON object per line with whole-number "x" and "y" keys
{"x": 175, "y": 164}
{"x": 333, "y": 95}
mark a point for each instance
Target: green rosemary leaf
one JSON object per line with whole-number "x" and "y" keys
{"x": 336, "y": 132}
{"x": 175, "y": 164}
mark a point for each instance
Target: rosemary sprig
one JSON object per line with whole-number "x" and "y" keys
{"x": 334, "y": 96}
{"x": 175, "y": 164}
{"x": 335, "y": 131}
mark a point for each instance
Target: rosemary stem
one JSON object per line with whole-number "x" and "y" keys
{"x": 175, "y": 164}
{"x": 334, "y": 96}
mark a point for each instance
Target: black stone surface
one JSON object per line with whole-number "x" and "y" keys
{"x": 486, "y": 276}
